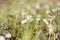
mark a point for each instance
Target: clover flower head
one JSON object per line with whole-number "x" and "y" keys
{"x": 29, "y": 18}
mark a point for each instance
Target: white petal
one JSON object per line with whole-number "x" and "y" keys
{"x": 29, "y": 17}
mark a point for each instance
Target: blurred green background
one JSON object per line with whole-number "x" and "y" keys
{"x": 12, "y": 12}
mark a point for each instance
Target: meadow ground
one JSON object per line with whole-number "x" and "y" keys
{"x": 30, "y": 19}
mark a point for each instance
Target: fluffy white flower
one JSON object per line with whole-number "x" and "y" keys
{"x": 23, "y": 21}
{"x": 8, "y": 35}
{"x": 29, "y": 18}
{"x": 2, "y": 38}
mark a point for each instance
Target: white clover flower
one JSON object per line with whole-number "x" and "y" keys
{"x": 29, "y": 18}
{"x": 45, "y": 21}
{"x": 2, "y": 38}
{"x": 24, "y": 21}
{"x": 8, "y": 35}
